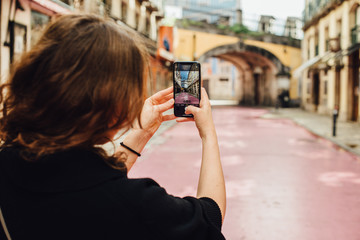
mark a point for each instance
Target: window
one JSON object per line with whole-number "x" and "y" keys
{"x": 317, "y": 43}
{"x": 338, "y": 29}
{"x": 124, "y": 12}
{"x": 68, "y": 2}
{"x": 263, "y": 27}
{"x": 147, "y": 27}
{"x": 326, "y": 39}
{"x": 204, "y": 2}
{"x": 325, "y": 87}
{"x": 137, "y": 20}
{"x": 224, "y": 79}
{"x": 38, "y": 23}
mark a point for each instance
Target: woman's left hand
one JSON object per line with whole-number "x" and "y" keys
{"x": 152, "y": 113}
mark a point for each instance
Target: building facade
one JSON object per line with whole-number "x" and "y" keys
{"x": 22, "y": 22}
{"x": 293, "y": 28}
{"x": 212, "y": 11}
{"x": 221, "y": 79}
{"x": 330, "y": 50}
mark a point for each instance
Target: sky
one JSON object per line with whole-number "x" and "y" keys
{"x": 280, "y": 9}
{"x": 252, "y": 9}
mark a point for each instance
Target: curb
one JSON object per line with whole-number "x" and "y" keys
{"x": 355, "y": 154}
{"x": 337, "y": 144}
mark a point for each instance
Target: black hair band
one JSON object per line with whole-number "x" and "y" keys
{"x": 130, "y": 149}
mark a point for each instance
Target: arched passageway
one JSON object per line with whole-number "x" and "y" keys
{"x": 260, "y": 75}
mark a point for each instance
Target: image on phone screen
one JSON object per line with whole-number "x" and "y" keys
{"x": 186, "y": 86}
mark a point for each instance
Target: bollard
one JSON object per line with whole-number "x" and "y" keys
{"x": 335, "y": 116}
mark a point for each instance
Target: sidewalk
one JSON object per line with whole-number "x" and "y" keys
{"x": 347, "y": 133}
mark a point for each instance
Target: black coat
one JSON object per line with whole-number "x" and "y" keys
{"x": 76, "y": 195}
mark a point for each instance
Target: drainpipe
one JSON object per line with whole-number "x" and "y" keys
{"x": 10, "y": 31}
{"x": 194, "y": 48}
{"x": 0, "y": 38}
{"x": 10, "y": 27}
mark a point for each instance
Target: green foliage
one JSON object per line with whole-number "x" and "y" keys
{"x": 236, "y": 28}
{"x": 255, "y": 34}
{"x": 222, "y": 27}
{"x": 188, "y": 23}
{"x": 239, "y": 28}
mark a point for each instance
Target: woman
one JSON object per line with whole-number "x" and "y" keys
{"x": 80, "y": 84}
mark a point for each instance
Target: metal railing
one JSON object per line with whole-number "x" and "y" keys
{"x": 355, "y": 31}
{"x": 315, "y": 7}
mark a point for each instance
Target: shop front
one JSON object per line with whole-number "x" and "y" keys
{"x": 22, "y": 22}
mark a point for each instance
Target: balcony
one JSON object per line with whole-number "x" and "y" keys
{"x": 355, "y": 31}
{"x": 316, "y": 9}
{"x": 327, "y": 42}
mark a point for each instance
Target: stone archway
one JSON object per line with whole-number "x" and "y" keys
{"x": 261, "y": 69}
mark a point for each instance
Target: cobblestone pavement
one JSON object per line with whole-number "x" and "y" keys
{"x": 282, "y": 181}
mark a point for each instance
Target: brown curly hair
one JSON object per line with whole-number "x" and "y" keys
{"x": 84, "y": 78}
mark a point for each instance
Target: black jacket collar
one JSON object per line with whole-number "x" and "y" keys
{"x": 71, "y": 170}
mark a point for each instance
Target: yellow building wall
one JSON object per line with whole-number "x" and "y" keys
{"x": 289, "y": 56}
{"x": 185, "y": 47}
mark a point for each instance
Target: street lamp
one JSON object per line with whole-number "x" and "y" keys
{"x": 335, "y": 47}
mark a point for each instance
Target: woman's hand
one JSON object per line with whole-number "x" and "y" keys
{"x": 153, "y": 109}
{"x": 151, "y": 118}
{"x": 202, "y": 116}
{"x": 211, "y": 179}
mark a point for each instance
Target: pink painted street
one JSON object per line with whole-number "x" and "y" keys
{"x": 282, "y": 181}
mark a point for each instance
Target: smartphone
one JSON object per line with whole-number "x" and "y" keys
{"x": 187, "y": 86}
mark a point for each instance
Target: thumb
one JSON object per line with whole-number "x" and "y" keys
{"x": 191, "y": 109}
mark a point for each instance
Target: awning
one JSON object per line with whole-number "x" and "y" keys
{"x": 53, "y": 6}
{"x": 305, "y": 65}
{"x": 351, "y": 49}
{"x": 323, "y": 59}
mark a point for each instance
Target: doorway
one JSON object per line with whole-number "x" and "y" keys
{"x": 257, "y": 88}
{"x": 337, "y": 88}
{"x": 316, "y": 90}
{"x": 354, "y": 86}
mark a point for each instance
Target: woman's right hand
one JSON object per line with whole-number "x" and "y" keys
{"x": 202, "y": 116}
{"x": 211, "y": 179}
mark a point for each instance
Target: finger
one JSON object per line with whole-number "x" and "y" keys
{"x": 166, "y": 98}
{"x": 184, "y": 119}
{"x": 168, "y": 117}
{"x": 165, "y": 106}
{"x": 159, "y": 95}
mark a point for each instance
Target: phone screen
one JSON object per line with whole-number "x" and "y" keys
{"x": 186, "y": 86}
